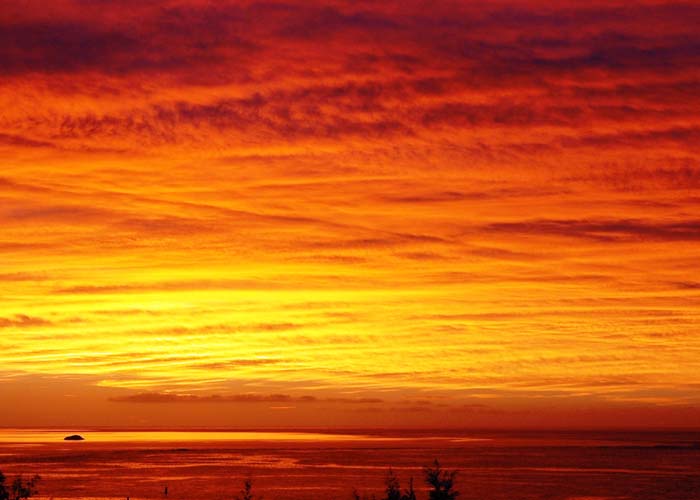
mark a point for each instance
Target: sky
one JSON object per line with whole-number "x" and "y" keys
{"x": 350, "y": 213}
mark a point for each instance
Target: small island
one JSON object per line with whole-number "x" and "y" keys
{"x": 74, "y": 437}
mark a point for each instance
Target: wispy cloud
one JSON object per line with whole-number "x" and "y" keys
{"x": 162, "y": 397}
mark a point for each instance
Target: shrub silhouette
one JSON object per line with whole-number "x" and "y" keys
{"x": 441, "y": 481}
{"x": 19, "y": 489}
{"x": 246, "y": 492}
{"x": 409, "y": 494}
{"x": 393, "y": 488}
{"x": 356, "y": 495}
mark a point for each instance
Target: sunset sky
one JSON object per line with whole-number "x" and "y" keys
{"x": 350, "y": 213}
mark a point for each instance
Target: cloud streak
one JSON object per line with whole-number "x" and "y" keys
{"x": 160, "y": 397}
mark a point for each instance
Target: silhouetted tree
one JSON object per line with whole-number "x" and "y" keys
{"x": 441, "y": 481}
{"x": 393, "y": 488}
{"x": 19, "y": 489}
{"x": 356, "y": 495}
{"x": 247, "y": 491}
{"x": 409, "y": 494}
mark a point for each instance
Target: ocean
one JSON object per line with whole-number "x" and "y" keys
{"x": 212, "y": 465}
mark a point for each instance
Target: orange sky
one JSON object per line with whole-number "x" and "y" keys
{"x": 478, "y": 214}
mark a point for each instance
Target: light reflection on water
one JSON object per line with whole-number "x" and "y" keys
{"x": 37, "y": 437}
{"x": 266, "y": 461}
{"x": 33, "y": 437}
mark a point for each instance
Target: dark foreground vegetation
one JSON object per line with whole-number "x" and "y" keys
{"x": 19, "y": 489}
{"x": 439, "y": 481}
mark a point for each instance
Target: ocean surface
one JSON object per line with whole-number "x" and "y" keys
{"x": 322, "y": 465}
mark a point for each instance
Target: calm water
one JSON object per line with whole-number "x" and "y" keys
{"x": 300, "y": 465}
